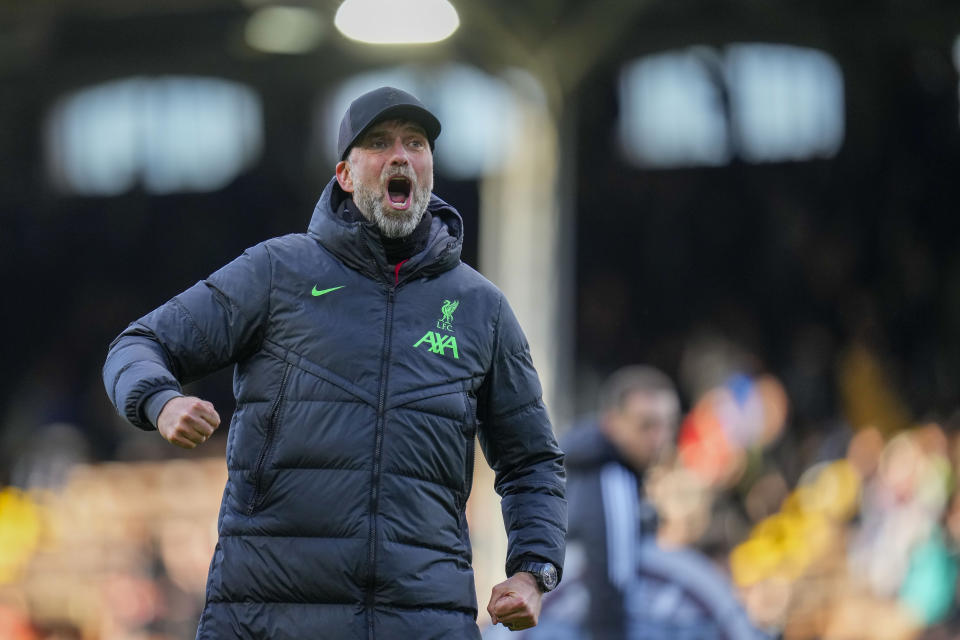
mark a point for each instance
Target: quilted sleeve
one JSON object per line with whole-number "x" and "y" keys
{"x": 212, "y": 324}
{"x": 519, "y": 444}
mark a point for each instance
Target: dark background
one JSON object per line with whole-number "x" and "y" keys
{"x": 790, "y": 262}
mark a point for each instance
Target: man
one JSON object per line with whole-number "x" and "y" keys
{"x": 607, "y": 458}
{"x": 620, "y": 583}
{"x": 368, "y": 357}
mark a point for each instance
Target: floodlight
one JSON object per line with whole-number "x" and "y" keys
{"x": 397, "y": 21}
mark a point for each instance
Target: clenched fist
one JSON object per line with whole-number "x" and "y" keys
{"x": 515, "y": 603}
{"x": 187, "y": 421}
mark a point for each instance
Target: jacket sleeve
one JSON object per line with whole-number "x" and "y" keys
{"x": 210, "y": 325}
{"x": 519, "y": 444}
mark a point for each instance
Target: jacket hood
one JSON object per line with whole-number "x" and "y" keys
{"x": 357, "y": 243}
{"x": 587, "y": 447}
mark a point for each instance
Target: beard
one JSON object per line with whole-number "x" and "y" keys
{"x": 392, "y": 223}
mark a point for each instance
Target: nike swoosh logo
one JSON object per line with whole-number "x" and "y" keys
{"x": 317, "y": 292}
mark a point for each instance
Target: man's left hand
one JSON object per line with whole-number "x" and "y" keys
{"x": 515, "y": 603}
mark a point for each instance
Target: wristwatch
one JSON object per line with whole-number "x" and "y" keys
{"x": 543, "y": 572}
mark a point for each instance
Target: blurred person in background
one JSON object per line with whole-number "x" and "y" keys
{"x": 607, "y": 459}
{"x": 359, "y": 394}
{"x": 622, "y": 583}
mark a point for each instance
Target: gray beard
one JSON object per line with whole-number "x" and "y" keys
{"x": 393, "y": 224}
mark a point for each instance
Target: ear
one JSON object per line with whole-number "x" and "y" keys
{"x": 344, "y": 176}
{"x": 606, "y": 418}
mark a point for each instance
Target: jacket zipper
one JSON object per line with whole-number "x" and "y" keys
{"x": 272, "y": 427}
{"x": 377, "y": 455}
{"x": 470, "y": 456}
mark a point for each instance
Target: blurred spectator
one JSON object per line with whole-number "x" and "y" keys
{"x": 606, "y": 461}
{"x": 864, "y": 548}
{"x": 15, "y": 624}
{"x": 621, "y": 582}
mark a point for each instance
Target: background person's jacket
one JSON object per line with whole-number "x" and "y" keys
{"x": 359, "y": 390}
{"x": 608, "y": 517}
{"x": 620, "y": 584}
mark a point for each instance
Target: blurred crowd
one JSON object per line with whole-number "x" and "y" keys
{"x": 118, "y": 551}
{"x": 842, "y": 533}
{"x": 849, "y": 531}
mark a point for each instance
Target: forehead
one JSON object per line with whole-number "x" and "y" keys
{"x": 395, "y": 126}
{"x": 647, "y": 402}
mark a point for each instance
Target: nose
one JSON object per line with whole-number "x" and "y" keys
{"x": 398, "y": 153}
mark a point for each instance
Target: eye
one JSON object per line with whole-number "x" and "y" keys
{"x": 417, "y": 143}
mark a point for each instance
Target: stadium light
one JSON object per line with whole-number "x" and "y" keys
{"x": 397, "y": 21}
{"x": 286, "y": 30}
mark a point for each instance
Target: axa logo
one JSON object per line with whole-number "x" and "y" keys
{"x": 438, "y": 342}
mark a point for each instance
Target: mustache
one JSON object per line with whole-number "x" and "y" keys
{"x": 398, "y": 172}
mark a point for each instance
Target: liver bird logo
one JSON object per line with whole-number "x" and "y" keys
{"x": 446, "y": 321}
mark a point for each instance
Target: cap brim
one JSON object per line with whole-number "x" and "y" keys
{"x": 411, "y": 112}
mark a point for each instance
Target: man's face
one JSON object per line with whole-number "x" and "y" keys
{"x": 643, "y": 427}
{"x": 390, "y": 174}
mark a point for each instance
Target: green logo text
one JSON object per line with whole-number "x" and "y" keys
{"x": 439, "y": 343}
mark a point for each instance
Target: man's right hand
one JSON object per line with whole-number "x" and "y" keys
{"x": 187, "y": 421}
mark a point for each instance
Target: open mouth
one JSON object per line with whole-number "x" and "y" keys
{"x": 398, "y": 190}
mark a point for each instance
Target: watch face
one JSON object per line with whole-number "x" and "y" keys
{"x": 549, "y": 576}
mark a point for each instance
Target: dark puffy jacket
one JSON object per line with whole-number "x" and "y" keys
{"x": 350, "y": 452}
{"x": 620, "y": 584}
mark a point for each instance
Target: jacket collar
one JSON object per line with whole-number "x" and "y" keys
{"x": 588, "y": 447}
{"x": 357, "y": 242}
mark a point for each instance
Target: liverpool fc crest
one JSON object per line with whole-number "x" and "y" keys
{"x": 446, "y": 320}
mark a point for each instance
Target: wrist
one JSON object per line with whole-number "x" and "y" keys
{"x": 544, "y": 574}
{"x": 529, "y": 578}
{"x": 153, "y": 406}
